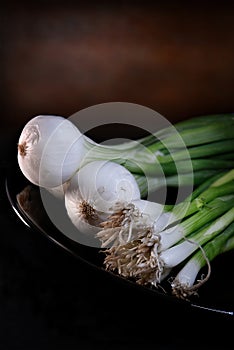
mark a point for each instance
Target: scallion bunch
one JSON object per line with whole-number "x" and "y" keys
{"x": 105, "y": 188}
{"x": 191, "y": 240}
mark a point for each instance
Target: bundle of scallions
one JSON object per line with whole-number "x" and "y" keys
{"x": 104, "y": 188}
{"x": 199, "y": 229}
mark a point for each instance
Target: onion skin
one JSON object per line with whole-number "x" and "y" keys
{"x": 50, "y": 149}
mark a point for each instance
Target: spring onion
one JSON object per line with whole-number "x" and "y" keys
{"x": 94, "y": 190}
{"x": 177, "y": 253}
{"x": 184, "y": 284}
{"x": 103, "y": 189}
{"x": 51, "y": 149}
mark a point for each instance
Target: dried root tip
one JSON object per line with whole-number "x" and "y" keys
{"x": 22, "y": 149}
{"x": 114, "y": 220}
{"x": 137, "y": 259}
{"x": 88, "y": 213}
{"x": 111, "y": 236}
{"x": 150, "y": 266}
{"x": 121, "y": 259}
{"x": 122, "y": 215}
{"x": 183, "y": 291}
{"x": 118, "y": 228}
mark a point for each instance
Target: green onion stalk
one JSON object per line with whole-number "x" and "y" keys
{"x": 150, "y": 255}
{"x": 186, "y": 283}
{"x": 184, "y": 154}
{"x": 188, "y": 146}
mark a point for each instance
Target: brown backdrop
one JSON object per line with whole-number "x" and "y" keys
{"x": 59, "y": 58}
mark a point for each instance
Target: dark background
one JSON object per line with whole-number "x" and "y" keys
{"x": 60, "y": 57}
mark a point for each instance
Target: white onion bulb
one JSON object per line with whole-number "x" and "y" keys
{"x": 50, "y": 149}
{"x": 93, "y": 192}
